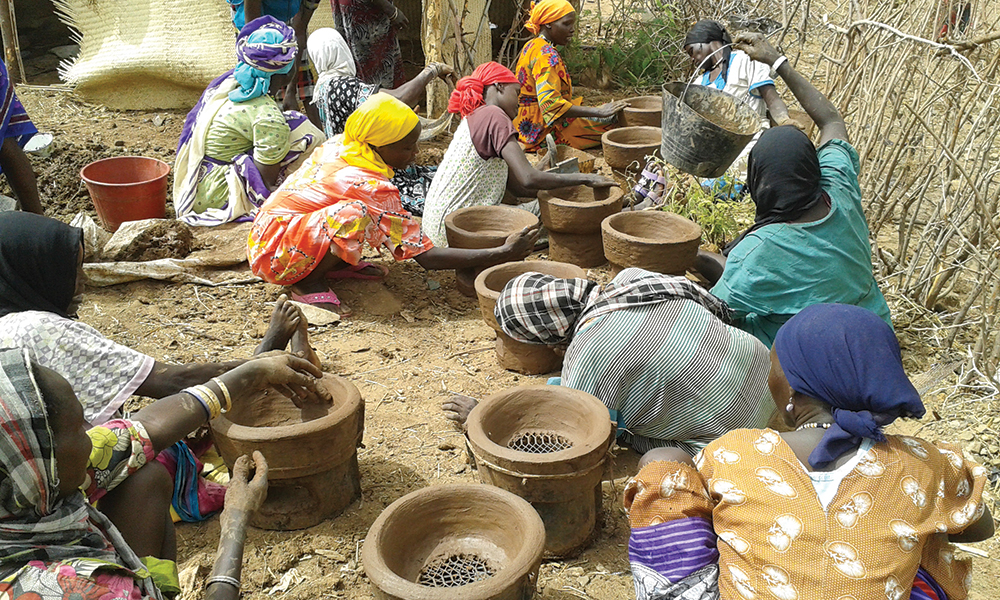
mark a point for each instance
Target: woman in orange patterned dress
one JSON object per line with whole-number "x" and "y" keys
{"x": 834, "y": 509}
{"x": 313, "y": 228}
{"x": 546, "y": 104}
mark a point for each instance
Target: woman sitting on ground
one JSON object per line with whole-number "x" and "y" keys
{"x": 16, "y": 129}
{"x": 833, "y": 509}
{"x": 314, "y": 227}
{"x": 809, "y": 240}
{"x": 339, "y": 91}
{"x": 655, "y": 349}
{"x": 546, "y": 104}
{"x": 237, "y": 146}
{"x": 484, "y": 151}
{"x": 53, "y": 543}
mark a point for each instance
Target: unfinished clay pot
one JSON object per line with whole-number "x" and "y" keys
{"x": 578, "y": 209}
{"x": 548, "y": 444}
{"x": 311, "y": 452}
{"x": 654, "y": 240}
{"x": 629, "y": 147}
{"x": 455, "y": 542}
{"x": 529, "y": 359}
{"x": 563, "y": 152}
{"x": 581, "y": 249}
{"x": 643, "y": 110}
{"x": 482, "y": 227}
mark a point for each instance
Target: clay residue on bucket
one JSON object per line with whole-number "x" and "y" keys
{"x": 723, "y": 110}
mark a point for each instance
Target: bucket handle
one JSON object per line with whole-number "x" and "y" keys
{"x": 698, "y": 72}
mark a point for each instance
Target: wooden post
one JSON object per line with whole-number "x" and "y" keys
{"x": 433, "y": 44}
{"x": 11, "y": 46}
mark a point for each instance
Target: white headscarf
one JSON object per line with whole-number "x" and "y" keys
{"x": 330, "y": 54}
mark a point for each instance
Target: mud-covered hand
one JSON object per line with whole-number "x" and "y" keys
{"x": 291, "y": 375}
{"x": 610, "y": 109}
{"x": 599, "y": 181}
{"x": 444, "y": 72}
{"x": 519, "y": 245}
{"x": 246, "y": 494}
{"x": 757, "y": 47}
{"x": 793, "y": 122}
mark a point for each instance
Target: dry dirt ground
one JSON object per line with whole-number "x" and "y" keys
{"x": 412, "y": 342}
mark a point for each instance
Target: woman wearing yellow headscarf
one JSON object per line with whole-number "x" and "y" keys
{"x": 546, "y": 104}
{"x": 313, "y": 228}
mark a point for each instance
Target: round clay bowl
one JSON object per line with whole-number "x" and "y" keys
{"x": 485, "y": 226}
{"x": 643, "y": 110}
{"x": 548, "y": 444}
{"x": 578, "y": 209}
{"x": 311, "y": 452}
{"x": 627, "y": 145}
{"x": 491, "y": 282}
{"x": 653, "y": 240}
{"x": 409, "y": 548}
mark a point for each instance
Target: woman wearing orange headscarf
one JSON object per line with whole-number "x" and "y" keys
{"x": 314, "y": 227}
{"x": 546, "y": 104}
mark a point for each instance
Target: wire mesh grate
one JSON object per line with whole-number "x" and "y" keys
{"x": 455, "y": 571}
{"x": 539, "y": 442}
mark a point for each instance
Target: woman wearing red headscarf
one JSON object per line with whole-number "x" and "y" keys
{"x": 546, "y": 104}
{"x": 485, "y": 151}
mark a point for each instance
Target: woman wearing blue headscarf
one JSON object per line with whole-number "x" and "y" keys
{"x": 834, "y": 507}
{"x": 237, "y": 146}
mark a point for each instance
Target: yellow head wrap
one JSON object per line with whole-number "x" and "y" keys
{"x": 380, "y": 120}
{"x": 547, "y": 11}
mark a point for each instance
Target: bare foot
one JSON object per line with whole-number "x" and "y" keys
{"x": 458, "y": 407}
{"x": 300, "y": 342}
{"x": 285, "y": 318}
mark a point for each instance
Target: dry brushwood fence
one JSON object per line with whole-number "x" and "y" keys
{"x": 919, "y": 85}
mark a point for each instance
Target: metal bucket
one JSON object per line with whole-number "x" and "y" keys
{"x": 704, "y": 129}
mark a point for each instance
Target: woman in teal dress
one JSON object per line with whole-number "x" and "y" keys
{"x": 809, "y": 241}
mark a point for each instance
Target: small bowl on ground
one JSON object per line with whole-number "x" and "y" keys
{"x": 643, "y": 110}
{"x": 455, "y": 542}
{"x": 629, "y": 147}
{"x": 653, "y": 240}
{"x": 127, "y": 188}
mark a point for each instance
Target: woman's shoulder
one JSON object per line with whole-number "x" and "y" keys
{"x": 30, "y": 320}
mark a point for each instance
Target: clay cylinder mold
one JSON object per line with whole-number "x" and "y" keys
{"x": 530, "y": 359}
{"x": 627, "y": 148}
{"x": 482, "y": 227}
{"x": 643, "y": 110}
{"x": 311, "y": 452}
{"x": 573, "y": 216}
{"x": 548, "y": 444}
{"x": 585, "y": 160}
{"x": 455, "y": 542}
{"x": 654, "y": 240}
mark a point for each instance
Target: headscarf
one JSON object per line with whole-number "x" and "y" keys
{"x": 264, "y": 47}
{"x": 38, "y": 258}
{"x": 707, "y": 31}
{"x": 847, "y": 357}
{"x": 541, "y": 309}
{"x": 545, "y": 12}
{"x": 468, "y": 94}
{"x": 784, "y": 178}
{"x": 330, "y": 54}
{"x": 34, "y": 523}
{"x": 380, "y": 120}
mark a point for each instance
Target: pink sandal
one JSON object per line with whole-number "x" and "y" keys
{"x": 354, "y": 272}
{"x": 321, "y": 298}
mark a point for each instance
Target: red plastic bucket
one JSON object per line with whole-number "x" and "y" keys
{"x": 127, "y": 188}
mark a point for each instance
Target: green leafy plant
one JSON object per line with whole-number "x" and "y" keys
{"x": 721, "y": 221}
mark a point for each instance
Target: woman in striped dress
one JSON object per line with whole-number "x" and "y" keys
{"x": 656, "y": 349}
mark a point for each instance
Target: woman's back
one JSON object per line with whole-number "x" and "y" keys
{"x": 879, "y": 525}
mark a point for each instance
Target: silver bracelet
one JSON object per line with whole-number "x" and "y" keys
{"x": 395, "y": 13}
{"x": 774, "y": 67}
{"x": 223, "y": 579}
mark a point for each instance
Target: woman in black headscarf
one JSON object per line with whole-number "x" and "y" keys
{"x": 809, "y": 241}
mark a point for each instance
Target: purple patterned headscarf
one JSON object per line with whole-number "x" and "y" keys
{"x": 264, "y": 47}
{"x": 847, "y": 357}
